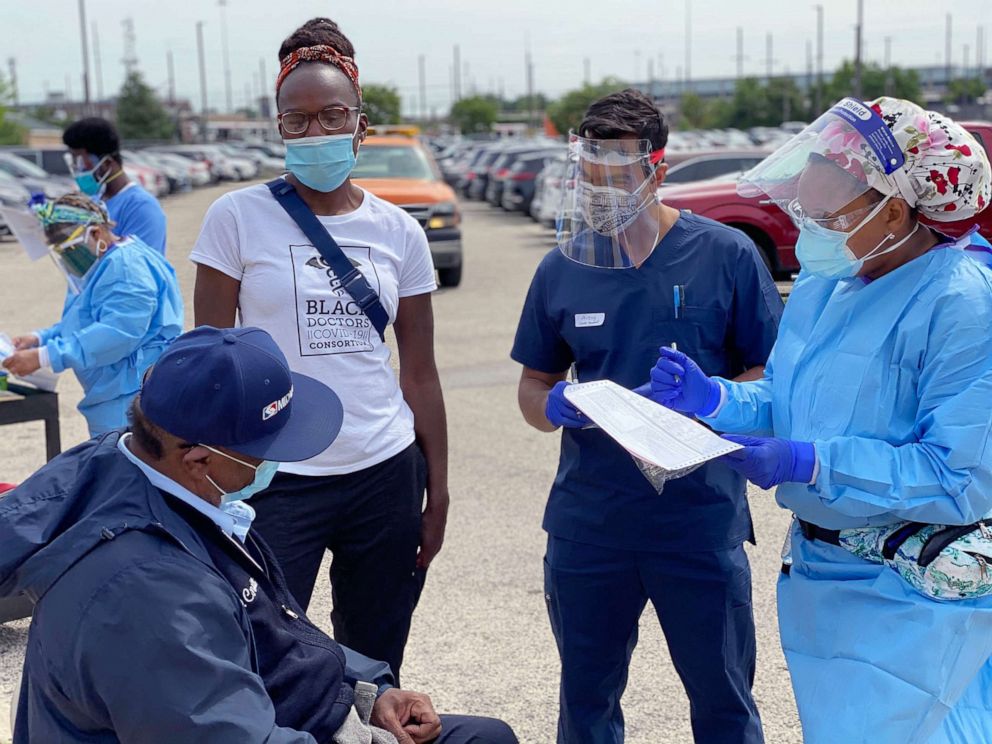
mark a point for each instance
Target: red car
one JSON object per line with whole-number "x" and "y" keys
{"x": 771, "y": 229}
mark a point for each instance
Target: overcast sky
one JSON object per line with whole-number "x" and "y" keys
{"x": 618, "y": 37}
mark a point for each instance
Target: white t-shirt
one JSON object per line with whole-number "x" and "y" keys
{"x": 286, "y": 290}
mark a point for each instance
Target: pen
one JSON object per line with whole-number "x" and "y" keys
{"x": 676, "y": 291}
{"x": 675, "y": 347}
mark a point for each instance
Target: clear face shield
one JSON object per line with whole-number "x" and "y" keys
{"x": 609, "y": 217}
{"x": 819, "y": 176}
{"x": 75, "y": 258}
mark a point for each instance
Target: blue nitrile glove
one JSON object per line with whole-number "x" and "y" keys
{"x": 678, "y": 383}
{"x": 560, "y": 412}
{"x": 768, "y": 461}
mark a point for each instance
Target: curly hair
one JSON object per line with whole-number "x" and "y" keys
{"x": 95, "y": 135}
{"x": 315, "y": 32}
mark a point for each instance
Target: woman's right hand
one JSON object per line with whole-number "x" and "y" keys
{"x": 678, "y": 383}
{"x": 27, "y": 341}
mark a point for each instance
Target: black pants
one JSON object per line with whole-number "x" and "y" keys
{"x": 370, "y": 521}
{"x": 474, "y": 730}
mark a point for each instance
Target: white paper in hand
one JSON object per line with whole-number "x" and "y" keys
{"x": 43, "y": 379}
{"x": 647, "y": 430}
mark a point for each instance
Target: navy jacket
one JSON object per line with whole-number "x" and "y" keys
{"x": 151, "y": 625}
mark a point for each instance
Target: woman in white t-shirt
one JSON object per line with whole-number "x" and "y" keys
{"x": 363, "y": 498}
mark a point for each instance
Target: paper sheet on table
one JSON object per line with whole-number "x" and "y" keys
{"x": 43, "y": 379}
{"x": 648, "y": 431}
{"x": 27, "y": 230}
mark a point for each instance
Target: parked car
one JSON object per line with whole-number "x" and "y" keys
{"x": 201, "y": 153}
{"x": 12, "y": 194}
{"x": 771, "y": 229}
{"x": 198, "y": 171}
{"x": 33, "y": 178}
{"x": 473, "y": 185}
{"x": 263, "y": 162}
{"x": 166, "y": 179}
{"x": 49, "y": 159}
{"x": 713, "y": 165}
{"x": 178, "y": 179}
{"x": 549, "y": 198}
{"x": 401, "y": 170}
{"x": 519, "y": 183}
{"x": 500, "y": 170}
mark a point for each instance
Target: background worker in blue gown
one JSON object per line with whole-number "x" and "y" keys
{"x": 875, "y": 410}
{"x": 629, "y": 276}
{"x": 94, "y": 158}
{"x": 122, "y": 310}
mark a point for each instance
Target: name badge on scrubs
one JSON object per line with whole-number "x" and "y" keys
{"x": 589, "y": 320}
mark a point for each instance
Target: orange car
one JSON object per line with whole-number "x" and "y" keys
{"x": 400, "y": 170}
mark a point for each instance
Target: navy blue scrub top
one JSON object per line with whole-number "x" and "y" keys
{"x": 610, "y": 324}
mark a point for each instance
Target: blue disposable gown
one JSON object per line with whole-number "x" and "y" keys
{"x": 127, "y": 313}
{"x": 892, "y": 382}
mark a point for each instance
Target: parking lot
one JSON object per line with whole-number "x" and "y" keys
{"x": 480, "y": 641}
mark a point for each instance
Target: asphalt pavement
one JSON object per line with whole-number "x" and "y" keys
{"x": 480, "y": 642}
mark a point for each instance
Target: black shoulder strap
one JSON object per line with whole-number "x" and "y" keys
{"x": 352, "y": 280}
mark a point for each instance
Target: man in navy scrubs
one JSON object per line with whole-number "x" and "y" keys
{"x": 631, "y": 275}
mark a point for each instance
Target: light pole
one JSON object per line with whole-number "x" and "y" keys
{"x": 86, "y": 56}
{"x": 819, "y": 59}
{"x": 227, "y": 59}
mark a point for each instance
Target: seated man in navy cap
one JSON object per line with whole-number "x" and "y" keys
{"x": 159, "y": 616}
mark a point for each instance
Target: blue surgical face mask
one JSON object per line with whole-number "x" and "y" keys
{"x": 824, "y": 253}
{"x": 322, "y": 163}
{"x": 88, "y": 182}
{"x": 265, "y": 471}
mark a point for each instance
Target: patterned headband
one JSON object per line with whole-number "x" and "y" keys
{"x": 52, "y": 213}
{"x": 319, "y": 53}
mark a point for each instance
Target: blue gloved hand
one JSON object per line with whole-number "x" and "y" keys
{"x": 768, "y": 461}
{"x": 678, "y": 383}
{"x": 560, "y": 412}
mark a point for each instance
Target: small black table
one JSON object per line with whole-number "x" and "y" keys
{"x": 30, "y": 404}
{"x": 34, "y": 405}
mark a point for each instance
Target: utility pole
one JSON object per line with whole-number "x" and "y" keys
{"x": 203, "y": 72}
{"x": 422, "y": 70}
{"x": 586, "y": 70}
{"x": 227, "y": 59}
{"x": 457, "y": 66}
{"x": 529, "y": 62}
{"x": 98, "y": 67}
{"x": 889, "y": 82}
{"x": 818, "y": 102}
{"x": 172, "y": 77}
{"x": 947, "y": 53}
{"x": 130, "y": 59}
{"x": 86, "y": 56}
{"x": 769, "y": 57}
{"x": 740, "y": 52}
{"x": 688, "y": 43}
{"x": 980, "y": 53}
{"x": 12, "y": 67}
{"x": 858, "y": 88}
{"x": 263, "y": 88}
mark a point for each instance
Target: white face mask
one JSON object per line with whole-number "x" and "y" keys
{"x": 609, "y": 209}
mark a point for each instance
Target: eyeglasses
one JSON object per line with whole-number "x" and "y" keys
{"x": 331, "y": 119}
{"x": 841, "y": 222}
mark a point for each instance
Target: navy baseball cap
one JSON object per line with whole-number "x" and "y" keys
{"x": 233, "y": 388}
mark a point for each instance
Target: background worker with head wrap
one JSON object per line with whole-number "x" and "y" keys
{"x": 875, "y": 411}
{"x": 123, "y": 309}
